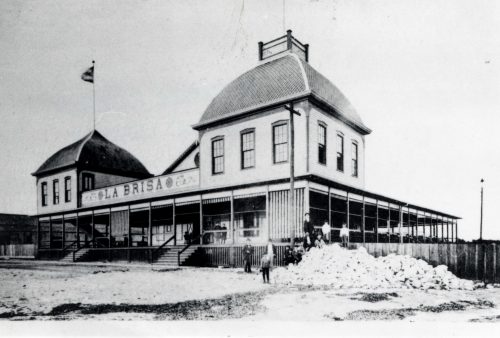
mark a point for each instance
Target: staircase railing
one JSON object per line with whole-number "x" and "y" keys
{"x": 77, "y": 250}
{"x": 156, "y": 252}
{"x": 68, "y": 246}
{"x": 191, "y": 242}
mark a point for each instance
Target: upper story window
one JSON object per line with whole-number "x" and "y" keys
{"x": 321, "y": 143}
{"x": 88, "y": 181}
{"x": 67, "y": 189}
{"x": 340, "y": 152}
{"x": 354, "y": 159}
{"x": 55, "y": 191}
{"x": 44, "y": 194}
{"x": 280, "y": 142}
{"x": 247, "y": 149}
{"x": 218, "y": 155}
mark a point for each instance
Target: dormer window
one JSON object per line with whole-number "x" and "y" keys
{"x": 88, "y": 181}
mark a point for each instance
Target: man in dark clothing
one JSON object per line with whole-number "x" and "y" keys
{"x": 308, "y": 227}
{"x": 247, "y": 256}
{"x": 265, "y": 264}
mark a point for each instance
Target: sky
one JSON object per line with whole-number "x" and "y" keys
{"x": 423, "y": 75}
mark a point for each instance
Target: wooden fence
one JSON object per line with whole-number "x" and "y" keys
{"x": 227, "y": 255}
{"x": 470, "y": 261}
{"x": 17, "y": 250}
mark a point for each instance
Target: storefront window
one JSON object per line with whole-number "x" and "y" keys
{"x": 249, "y": 217}
{"x": 161, "y": 224}
{"x": 216, "y": 222}
{"x": 119, "y": 229}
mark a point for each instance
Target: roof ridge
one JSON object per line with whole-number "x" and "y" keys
{"x": 84, "y": 141}
{"x": 303, "y": 71}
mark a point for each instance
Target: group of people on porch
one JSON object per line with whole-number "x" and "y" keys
{"x": 317, "y": 235}
{"x": 314, "y": 236}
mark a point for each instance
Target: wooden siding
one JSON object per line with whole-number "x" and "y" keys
{"x": 278, "y": 211}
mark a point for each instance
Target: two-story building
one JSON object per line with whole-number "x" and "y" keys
{"x": 97, "y": 201}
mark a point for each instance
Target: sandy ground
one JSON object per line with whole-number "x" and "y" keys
{"x": 42, "y": 291}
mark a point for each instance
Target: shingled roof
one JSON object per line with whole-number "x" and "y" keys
{"x": 279, "y": 81}
{"x": 95, "y": 152}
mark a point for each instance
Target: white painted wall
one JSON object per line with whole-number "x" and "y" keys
{"x": 264, "y": 168}
{"x": 330, "y": 170}
{"x": 63, "y": 205}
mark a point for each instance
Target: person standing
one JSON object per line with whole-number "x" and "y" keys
{"x": 326, "y": 230}
{"x": 344, "y": 235}
{"x": 247, "y": 256}
{"x": 308, "y": 227}
{"x": 265, "y": 264}
{"x": 271, "y": 251}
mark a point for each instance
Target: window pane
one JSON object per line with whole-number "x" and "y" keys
{"x": 354, "y": 162}
{"x": 281, "y": 153}
{"x": 340, "y": 152}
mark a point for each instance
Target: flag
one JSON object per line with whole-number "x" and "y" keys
{"x": 88, "y": 75}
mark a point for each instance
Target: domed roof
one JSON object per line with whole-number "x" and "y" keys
{"x": 279, "y": 81}
{"x": 95, "y": 152}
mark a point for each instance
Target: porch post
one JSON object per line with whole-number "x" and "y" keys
{"x": 232, "y": 217}
{"x": 347, "y": 214}
{"x": 329, "y": 215}
{"x": 400, "y": 223}
{"x": 150, "y": 221}
{"x": 268, "y": 213}
{"x": 442, "y": 229}
{"x": 93, "y": 229}
{"x": 129, "y": 233}
{"x": 77, "y": 231}
{"x": 376, "y": 220}
{"x": 109, "y": 230}
{"x": 201, "y": 219}
{"x": 173, "y": 222}
{"x": 50, "y": 232}
{"x": 63, "y": 232}
{"x": 363, "y": 221}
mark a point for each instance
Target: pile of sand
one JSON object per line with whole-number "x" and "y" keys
{"x": 341, "y": 268}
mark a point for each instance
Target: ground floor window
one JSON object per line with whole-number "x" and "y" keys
{"x": 162, "y": 224}
{"x": 139, "y": 227}
{"x": 187, "y": 222}
{"x": 250, "y": 218}
{"x": 217, "y": 222}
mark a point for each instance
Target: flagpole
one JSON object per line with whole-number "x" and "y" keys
{"x": 93, "y": 86}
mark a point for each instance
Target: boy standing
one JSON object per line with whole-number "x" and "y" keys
{"x": 247, "y": 256}
{"x": 344, "y": 234}
{"x": 265, "y": 264}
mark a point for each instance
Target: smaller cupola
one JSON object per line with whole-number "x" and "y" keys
{"x": 286, "y": 43}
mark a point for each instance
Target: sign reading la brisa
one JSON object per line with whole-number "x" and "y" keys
{"x": 150, "y": 187}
